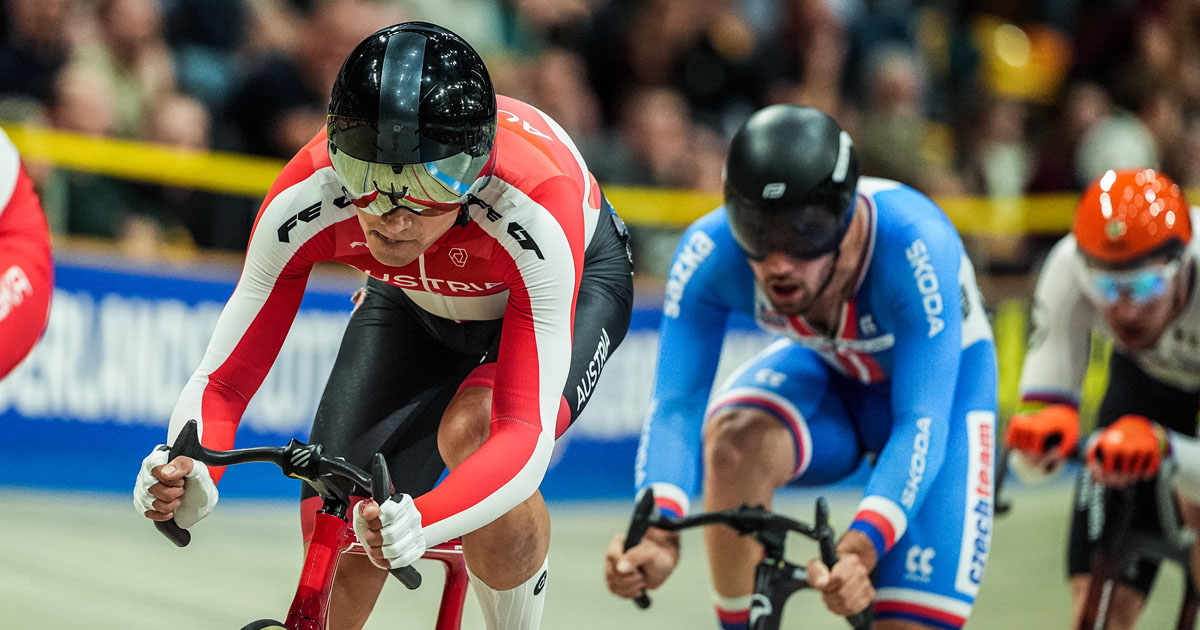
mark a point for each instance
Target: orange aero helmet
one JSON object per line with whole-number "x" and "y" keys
{"x": 1127, "y": 216}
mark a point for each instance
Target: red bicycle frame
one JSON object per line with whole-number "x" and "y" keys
{"x": 333, "y": 479}
{"x": 331, "y": 538}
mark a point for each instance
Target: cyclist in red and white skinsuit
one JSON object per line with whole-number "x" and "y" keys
{"x": 1128, "y": 272}
{"x": 26, "y": 271}
{"x": 499, "y": 280}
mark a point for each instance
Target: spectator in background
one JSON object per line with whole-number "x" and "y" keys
{"x": 83, "y": 203}
{"x": 35, "y": 46}
{"x": 186, "y": 216}
{"x": 205, "y": 37}
{"x": 659, "y": 146}
{"x": 999, "y": 160}
{"x": 896, "y": 139}
{"x": 1120, "y": 140}
{"x": 282, "y": 102}
{"x": 555, "y": 81}
{"x": 656, "y": 135}
{"x": 701, "y": 48}
{"x": 1083, "y": 105}
{"x": 131, "y": 53}
{"x": 1186, "y": 159}
{"x": 814, "y": 48}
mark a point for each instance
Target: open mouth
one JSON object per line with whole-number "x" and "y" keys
{"x": 1130, "y": 335}
{"x": 784, "y": 290}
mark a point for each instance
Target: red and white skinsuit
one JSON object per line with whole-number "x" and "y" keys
{"x": 520, "y": 259}
{"x": 26, "y": 271}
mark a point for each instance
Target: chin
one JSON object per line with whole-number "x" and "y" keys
{"x": 791, "y": 308}
{"x": 1134, "y": 342}
{"x": 393, "y": 258}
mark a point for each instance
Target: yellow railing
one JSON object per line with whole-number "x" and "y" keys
{"x": 252, "y": 176}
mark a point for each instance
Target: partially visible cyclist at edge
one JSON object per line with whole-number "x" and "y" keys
{"x": 499, "y": 280}
{"x": 884, "y": 351}
{"x": 1128, "y": 271}
{"x": 26, "y": 269}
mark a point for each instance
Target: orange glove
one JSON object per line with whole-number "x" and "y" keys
{"x": 1053, "y": 428}
{"x": 1130, "y": 446}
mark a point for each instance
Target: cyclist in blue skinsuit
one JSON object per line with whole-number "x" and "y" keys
{"x": 884, "y": 351}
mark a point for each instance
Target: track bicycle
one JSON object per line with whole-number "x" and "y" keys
{"x": 334, "y": 480}
{"x": 775, "y": 578}
{"x": 1120, "y": 544}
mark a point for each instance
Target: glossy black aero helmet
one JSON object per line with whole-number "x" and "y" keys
{"x": 789, "y": 183}
{"x": 412, "y": 120}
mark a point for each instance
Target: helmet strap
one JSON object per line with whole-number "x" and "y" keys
{"x": 829, "y": 277}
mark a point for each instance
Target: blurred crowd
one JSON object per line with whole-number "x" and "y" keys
{"x": 978, "y": 97}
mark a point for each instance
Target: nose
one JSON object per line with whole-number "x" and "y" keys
{"x": 808, "y": 271}
{"x": 397, "y": 220}
{"x": 779, "y": 263}
{"x": 1126, "y": 309}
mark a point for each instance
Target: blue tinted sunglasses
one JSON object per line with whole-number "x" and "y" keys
{"x": 1139, "y": 285}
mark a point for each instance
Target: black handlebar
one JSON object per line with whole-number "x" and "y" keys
{"x": 302, "y": 461}
{"x": 746, "y": 520}
{"x": 637, "y": 530}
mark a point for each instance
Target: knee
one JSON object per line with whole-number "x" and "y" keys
{"x": 464, "y": 426}
{"x": 735, "y": 440}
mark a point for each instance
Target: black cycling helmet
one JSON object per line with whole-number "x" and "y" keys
{"x": 412, "y": 118}
{"x": 789, "y": 183}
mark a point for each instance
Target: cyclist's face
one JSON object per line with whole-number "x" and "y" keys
{"x": 1138, "y": 316}
{"x": 792, "y": 284}
{"x": 398, "y": 237}
{"x": 1138, "y": 325}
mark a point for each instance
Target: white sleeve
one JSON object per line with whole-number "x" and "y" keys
{"x": 1063, "y": 318}
{"x": 10, "y": 167}
{"x": 1185, "y": 450}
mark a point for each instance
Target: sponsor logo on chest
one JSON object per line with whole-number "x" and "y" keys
{"x": 442, "y": 286}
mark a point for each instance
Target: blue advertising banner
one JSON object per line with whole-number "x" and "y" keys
{"x": 96, "y": 394}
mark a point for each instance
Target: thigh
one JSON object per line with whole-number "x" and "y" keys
{"x": 933, "y": 573}
{"x": 389, "y": 385}
{"x": 791, "y": 384}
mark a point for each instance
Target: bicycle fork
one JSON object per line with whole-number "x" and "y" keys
{"x": 775, "y": 579}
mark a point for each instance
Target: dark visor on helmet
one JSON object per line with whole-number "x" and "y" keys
{"x": 803, "y": 234}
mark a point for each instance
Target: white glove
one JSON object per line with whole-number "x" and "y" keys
{"x": 199, "y": 492}
{"x": 403, "y": 537}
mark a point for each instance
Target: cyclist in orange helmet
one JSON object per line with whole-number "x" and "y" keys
{"x": 1127, "y": 272}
